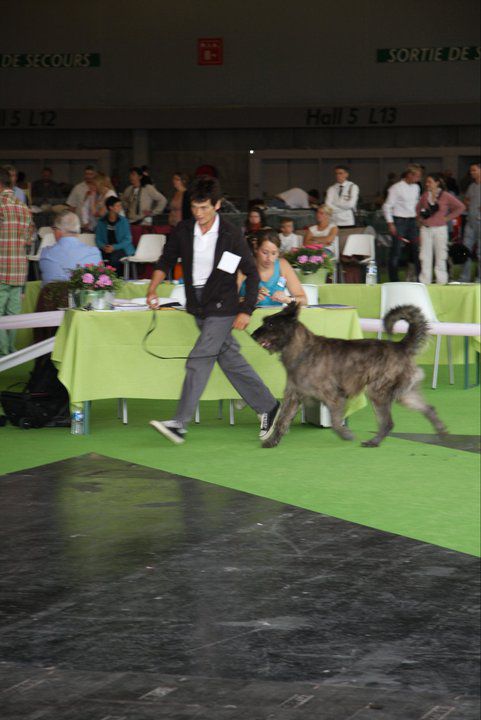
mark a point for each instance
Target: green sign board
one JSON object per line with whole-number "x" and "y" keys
{"x": 429, "y": 54}
{"x": 57, "y": 61}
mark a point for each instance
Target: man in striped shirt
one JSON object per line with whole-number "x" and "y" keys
{"x": 17, "y": 233}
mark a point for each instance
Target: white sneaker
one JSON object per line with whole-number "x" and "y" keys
{"x": 169, "y": 429}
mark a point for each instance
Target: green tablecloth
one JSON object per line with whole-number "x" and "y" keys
{"x": 452, "y": 303}
{"x": 100, "y": 354}
{"x": 128, "y": 290}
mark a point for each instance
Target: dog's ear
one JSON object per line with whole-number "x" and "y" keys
{"x": 291, "y": 310}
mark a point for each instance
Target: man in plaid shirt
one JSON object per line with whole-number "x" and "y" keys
{"x": 17, "y": 233}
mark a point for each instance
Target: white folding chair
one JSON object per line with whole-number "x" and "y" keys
{"x": 360, "y": 245}
{"x": 47, "y": 240}
{"x": 88, "y": 239}
{"x": 413, "y": 293}
{"x": 148, "y": 250}
{"x": 45, "y": 230}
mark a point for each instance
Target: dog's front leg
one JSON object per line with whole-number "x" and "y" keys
{"x": 289, "y": 407}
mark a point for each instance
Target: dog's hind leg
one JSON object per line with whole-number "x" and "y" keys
{"x": 414, "y": 401}
{"x": 337, "y": 416}
{"x": 383, "y": 413}
{"x": 289, "y": 407}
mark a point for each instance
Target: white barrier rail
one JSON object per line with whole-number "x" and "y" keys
{"x": 32, "y": 320}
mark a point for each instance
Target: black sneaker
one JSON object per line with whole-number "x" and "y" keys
{"x": 169, "y": 429}
{"x": 268, "y": 422}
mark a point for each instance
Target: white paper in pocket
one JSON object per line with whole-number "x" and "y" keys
{"x": 229, "y": 262}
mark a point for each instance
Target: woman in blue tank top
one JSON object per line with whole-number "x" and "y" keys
{"x": 275, "y": 274}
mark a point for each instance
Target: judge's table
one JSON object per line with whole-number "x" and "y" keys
{"x": 93, "y": 346}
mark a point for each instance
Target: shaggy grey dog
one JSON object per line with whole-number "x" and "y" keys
{"x": 333, "y": 370}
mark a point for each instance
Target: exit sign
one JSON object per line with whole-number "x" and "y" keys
{"x": 210, "y": 51}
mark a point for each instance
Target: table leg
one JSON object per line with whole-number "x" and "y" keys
{"x": 87, "y": 406}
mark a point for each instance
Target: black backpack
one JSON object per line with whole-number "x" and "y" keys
{"x": 44, "y": 401}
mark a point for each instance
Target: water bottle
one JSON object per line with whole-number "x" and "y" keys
{"x": 77, "y": 423}
{"x": 371, "y": 273}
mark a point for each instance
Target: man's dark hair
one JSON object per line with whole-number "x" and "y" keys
{"x": 476, "y": 162}
{"x": 112, "y": 200}
{"x": 5, "y": 178}
{"x": 285, "y": 220}
{"x": 204, "y": 188}
{"x": 342, "y": 167}
{"x": 313, "y": 193}
{"x": 90, "y": 167}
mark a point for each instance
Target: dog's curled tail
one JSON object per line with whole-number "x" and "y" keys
{"x": 418, "y": 326}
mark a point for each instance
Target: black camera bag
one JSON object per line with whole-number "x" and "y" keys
{"x": 44, "y": 402}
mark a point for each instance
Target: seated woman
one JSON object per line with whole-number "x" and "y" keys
{"x": 275, "y": 273}
{"x": 324, "y": 228}
{"x": 113, "y": 236}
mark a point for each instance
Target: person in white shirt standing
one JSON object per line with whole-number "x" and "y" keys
{"x": 343, "y": 197}
{"x": 82, "y": 199}
{"x": 400, "y": 214}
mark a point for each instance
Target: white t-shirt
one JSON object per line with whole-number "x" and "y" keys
{"x": 290, "y": 241}
{"x": 401, "y": 201}
{"x": 204, "y": 251}
{"x": 295, "y": 198}
{"x": 315, "y": 232}
{"x": 77, "y": 196}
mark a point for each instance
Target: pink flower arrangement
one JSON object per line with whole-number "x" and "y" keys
{"x": 94, "y": 277}
{"x": 311, "y": 258}
{"x": 104, "y": 281}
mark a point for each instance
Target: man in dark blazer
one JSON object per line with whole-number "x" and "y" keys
{"x": 211, "y": 251}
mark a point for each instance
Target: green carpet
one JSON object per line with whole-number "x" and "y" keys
{"x": 417, "y": 490}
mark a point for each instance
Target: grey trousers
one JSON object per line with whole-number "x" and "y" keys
{"x": 215, "y": 343}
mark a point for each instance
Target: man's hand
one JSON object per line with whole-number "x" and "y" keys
{"x": 392, "y": 228}
{"x": 241, "y": 322}
{"x": 152, "y": 300}
{"x": 108, "y": 248}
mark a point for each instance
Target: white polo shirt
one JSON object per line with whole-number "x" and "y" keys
{"x": 401, "y": 201}
{"x": 204, "y": 251}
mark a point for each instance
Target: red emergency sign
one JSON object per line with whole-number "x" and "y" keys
{"x": 210, "y": 51}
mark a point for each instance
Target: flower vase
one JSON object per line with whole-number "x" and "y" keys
{"x": 314, "y": 277}
{"x": 92, "y": 299}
